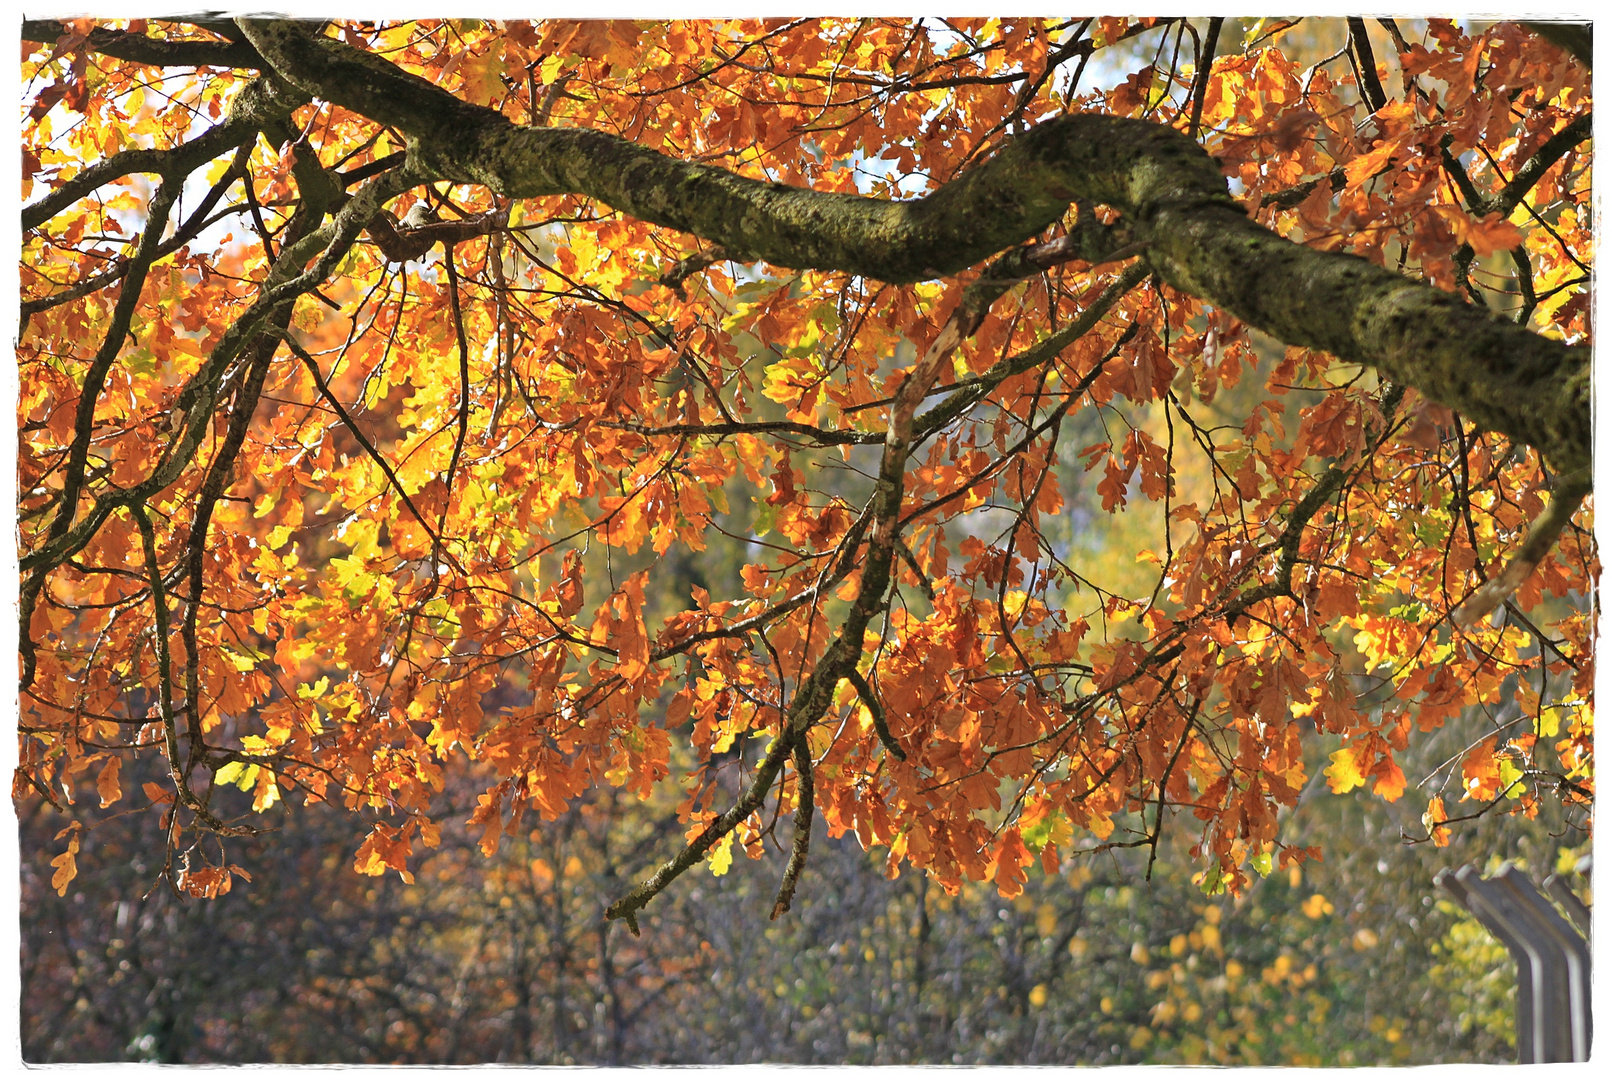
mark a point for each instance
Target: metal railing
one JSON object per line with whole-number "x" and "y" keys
{"x": 1552, "y": 954}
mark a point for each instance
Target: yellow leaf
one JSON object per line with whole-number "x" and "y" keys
{"x": 216, "y": 170}
{"x": 481, "y": 74}
{"x": 1344, "y": 773}
{"x": 721, "y": 857}
{"x": 1509, "y": 777}
{"x": 1549, "y": 723}
{"x": 267, "y": 793}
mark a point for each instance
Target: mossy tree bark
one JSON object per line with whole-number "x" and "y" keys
{"x": 1170, "y": 193}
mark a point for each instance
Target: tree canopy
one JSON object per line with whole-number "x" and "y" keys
{"x": 371, "y": 371}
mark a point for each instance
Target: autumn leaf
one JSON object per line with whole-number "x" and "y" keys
{"x": 1433, "y": 820}
{"x": 720, "y": 858}
{"x": 1389, "y": 778}
{"x": 410, "y": 539}
{"x": 1344, "y": 774}
{"x": 106, "y": 782}
{"x": 1009, "y": 861}
{"x": 1368, "y": 165}
{"x": 620, "y": 622}
{"x": 359, "y": 516}
{"x": 1480, "y": 771}
{"x": 568, "y": 591}
{"x": 482, "y": 84}
{"x": 386, "y": 848}
{"x": 66, "y": 863}
{"x": 1113, "y": 484}
{"x": 210, "y": 881}
{"x": 1491, "y": 234}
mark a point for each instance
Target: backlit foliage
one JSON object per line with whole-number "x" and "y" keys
{"x": 422, "y": 514}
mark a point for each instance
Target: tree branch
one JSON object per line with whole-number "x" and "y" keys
{"x": 881, "y": 726}
{"x": 1549, "y": 153}
{"x": 1171, "y": 193}
{"x": 1572, "y": 38}
{"x": 140, "y": 49}
{"x": 1542, "y": 534}
{"x": 1370, "y": 86}
{"x": 816, "y": 690}
{"x": 804, "y": 813}
{"x": 1200, "y": 81}
{"x": 193, "y": 412}
{"x": 259, "y": 103}
{"x": 73, "y": 476}
{"x": 199, "y": 219}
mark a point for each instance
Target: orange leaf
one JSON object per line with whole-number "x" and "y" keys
{"x": 568, "y": 590}
{"x": 1480, "y": 772}
{"x": 66, "y": 863}
{"x": 1493, "y": 233}
{"x": 106, "y": 784}
{"x": 1434, "y": 821}
{"x": 1011, "y": 859}
{"x": 1390, "y": 779}
{"x": 1367, "y": 165}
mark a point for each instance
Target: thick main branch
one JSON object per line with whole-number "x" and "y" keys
{"x": 1172, "y": 194}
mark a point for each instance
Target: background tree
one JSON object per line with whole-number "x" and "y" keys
{"x": 317, "y": 492}
{"x": 1349, "y": 960}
